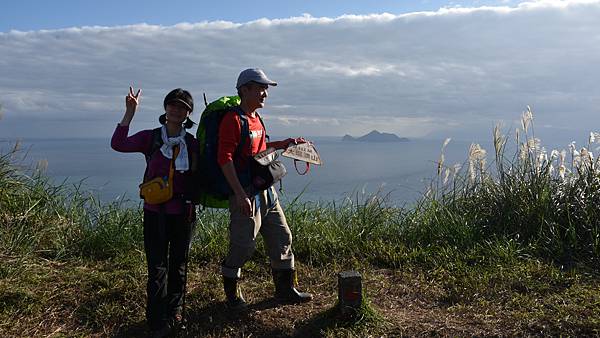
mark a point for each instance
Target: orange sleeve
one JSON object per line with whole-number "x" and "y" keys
{"x": 230, "y": 132}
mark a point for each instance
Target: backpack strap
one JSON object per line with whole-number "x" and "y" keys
{"x": 192, "y": 156}
{"x": 263, "y": 125}
{"x": 245, "y": 133}
{"x": 155, "y": 143}
{"x": 245, "y": 129}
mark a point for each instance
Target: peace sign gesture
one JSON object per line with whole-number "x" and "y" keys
{"x": 132, "y": 101}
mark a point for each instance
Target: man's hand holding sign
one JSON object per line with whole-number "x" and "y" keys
{"x": 305, "y": 152}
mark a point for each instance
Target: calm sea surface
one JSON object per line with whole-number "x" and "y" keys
{"x": 399, "y": 170}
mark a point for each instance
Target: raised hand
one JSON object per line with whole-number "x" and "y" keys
{"x": 132, "y": 101}
{"x": 299, "y": 140}
{"x": 279, "y": 145}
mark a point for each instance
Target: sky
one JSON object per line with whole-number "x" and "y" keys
{"x": 430, "y": 69}
{"x": 26, "y": 15}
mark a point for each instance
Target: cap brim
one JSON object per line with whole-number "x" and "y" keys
{"x": 262, "y": 83}
{"x": 182, "y": 101}
{"x": 269, "y": 83}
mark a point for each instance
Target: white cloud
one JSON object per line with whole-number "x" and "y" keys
{"x": 296, "y": 67}
{"x": 453, "y": 71}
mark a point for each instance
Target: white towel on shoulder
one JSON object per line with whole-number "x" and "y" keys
{"x": 181, "y": 162}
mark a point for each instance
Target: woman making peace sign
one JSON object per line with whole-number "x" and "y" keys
{"x": 168, "y": 220}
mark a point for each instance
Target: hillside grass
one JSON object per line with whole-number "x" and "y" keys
{"x": 507, "y": 248}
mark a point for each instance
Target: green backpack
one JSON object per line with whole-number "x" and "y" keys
{"x": 214, "y": 190}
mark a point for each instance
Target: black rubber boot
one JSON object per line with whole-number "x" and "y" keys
{"x": 285, "y": 292}
{"x": 235, "y": 300}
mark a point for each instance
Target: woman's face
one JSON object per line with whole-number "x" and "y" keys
{"x": 177, "y": 112}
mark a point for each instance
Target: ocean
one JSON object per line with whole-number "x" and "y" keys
{"x": 399, "y": 171}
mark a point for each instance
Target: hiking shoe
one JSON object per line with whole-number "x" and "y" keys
{"x": 233, "y": 293}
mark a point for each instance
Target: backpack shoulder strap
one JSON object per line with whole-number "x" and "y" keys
{"x": 263, "y": 125}
{"x": 156, "y": 142}
{"x": 189, "y": 138}
{"x": 192, "y": 156}
{"x": 245, "y": 129}
{"x": 245, "y": 133}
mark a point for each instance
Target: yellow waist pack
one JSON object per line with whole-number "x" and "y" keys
{"x": 159, "y": 189}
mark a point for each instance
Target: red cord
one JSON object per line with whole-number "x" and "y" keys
{"x": 298, "y": 171}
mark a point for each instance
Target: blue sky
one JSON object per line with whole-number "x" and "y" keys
{"x": 432, "y": 69}
{"x": 26, "y": 15}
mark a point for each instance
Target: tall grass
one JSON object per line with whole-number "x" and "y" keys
{"x": 59, "y": 220}
{"x": 533, "y": 202}
{"x": 535, "y": 197}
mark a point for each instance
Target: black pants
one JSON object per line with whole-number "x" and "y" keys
{"x": 167, "y": 243}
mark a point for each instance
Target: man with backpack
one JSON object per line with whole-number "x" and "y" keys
{"x": 253, "y": 211}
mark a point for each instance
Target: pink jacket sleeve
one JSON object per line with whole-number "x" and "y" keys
{"x": 139, "y": 142}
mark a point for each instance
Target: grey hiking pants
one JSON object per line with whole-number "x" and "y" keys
{"x": 267, "y": 219}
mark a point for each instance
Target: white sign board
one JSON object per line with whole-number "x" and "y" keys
{"x": 303, "y": 152}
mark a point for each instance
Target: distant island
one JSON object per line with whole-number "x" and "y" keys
{"x": 376, "y": 136}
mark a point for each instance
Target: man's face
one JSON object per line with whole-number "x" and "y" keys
{"x": 254, "y": 95}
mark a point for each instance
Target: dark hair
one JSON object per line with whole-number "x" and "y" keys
{"x": 187, "y": 124}
{"x": 180, "y": 95}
